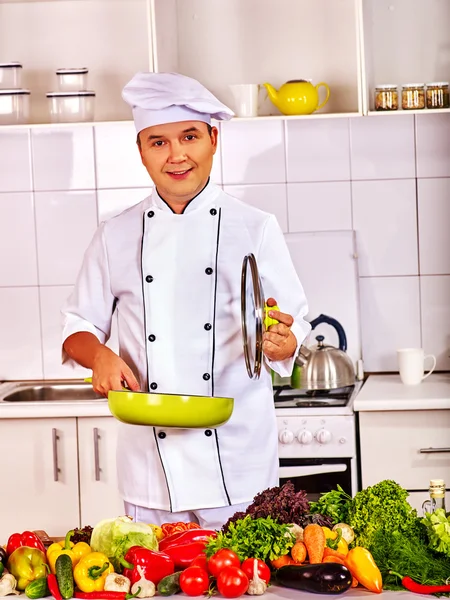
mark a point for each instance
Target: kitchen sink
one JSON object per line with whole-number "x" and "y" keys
{"x": 48, "y": 391}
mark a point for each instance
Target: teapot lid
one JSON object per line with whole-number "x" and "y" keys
{"x": 299, "y": 81}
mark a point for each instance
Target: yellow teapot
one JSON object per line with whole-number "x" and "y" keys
{"x": 297, "y": 97}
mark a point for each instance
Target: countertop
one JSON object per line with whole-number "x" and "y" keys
{"x": 387, "y": 392}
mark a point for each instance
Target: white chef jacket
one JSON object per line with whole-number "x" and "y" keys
{"x": 174, "y": 281}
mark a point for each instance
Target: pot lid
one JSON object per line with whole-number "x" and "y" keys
{"x": 252, "y": 315}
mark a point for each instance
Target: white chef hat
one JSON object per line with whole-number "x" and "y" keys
{"x": 157, "y": 98}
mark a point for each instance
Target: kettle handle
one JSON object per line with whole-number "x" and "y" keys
{"x": 336, "y": 325}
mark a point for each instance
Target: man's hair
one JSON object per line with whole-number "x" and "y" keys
{"x": 138, "y": 139}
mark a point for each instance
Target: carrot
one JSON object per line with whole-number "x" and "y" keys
{"x": 281, "y": 561}
{"x": 314, "y": 539}
{"x": 298, "y": 552}
{"x": 330, "y": 552}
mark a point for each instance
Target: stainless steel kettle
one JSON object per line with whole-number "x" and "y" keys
{"x": 326, "y": 367}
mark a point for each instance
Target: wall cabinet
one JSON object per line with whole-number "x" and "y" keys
{"x": 352, "y": 45}
{"x": 410, "y": 447}
{"x": 58, "y": 474}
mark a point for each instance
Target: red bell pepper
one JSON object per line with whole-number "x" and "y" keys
{"x": 155, "y": 565}
{"x": 27, "y": 538}
{"x": 186, "y": 537}
{"x": 184, "y": 554}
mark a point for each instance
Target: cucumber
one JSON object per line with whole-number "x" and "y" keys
{"x": 64, "y": 576}
{"x": 169, "y": 585}
{"x": 37, "y": 588}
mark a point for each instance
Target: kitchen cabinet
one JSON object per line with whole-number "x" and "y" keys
{"x": 410, "y": 447}
{"x": 99, "y": 496}
{"x": 39, "y": 475}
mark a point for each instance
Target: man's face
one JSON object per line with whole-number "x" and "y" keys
{"x": 178, "y": 157}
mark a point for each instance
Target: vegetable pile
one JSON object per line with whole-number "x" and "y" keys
{"x": 375, "y": 540}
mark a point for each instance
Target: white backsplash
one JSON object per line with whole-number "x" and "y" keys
{"x": 385, "y": 177}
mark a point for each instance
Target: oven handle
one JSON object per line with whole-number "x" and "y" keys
{"x": 288, "y": 472}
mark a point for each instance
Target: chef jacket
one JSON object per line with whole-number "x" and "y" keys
{"x": 174, "y": 281}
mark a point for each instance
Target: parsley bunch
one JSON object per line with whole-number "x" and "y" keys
{"x": 334, "y": 504}
{"x": 261, "y": 538}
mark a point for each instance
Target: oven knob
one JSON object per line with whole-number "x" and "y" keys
{"x": 286, "y": 437}
{"x": 305, "y": 437}
{"x": 323, "y": 436}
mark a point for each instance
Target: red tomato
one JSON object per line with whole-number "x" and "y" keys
{"x": 232, "y": 582}
{"x": 221, "y": 559}
{"x": 200, "y": 561}
{"x": 262, "y": 569}
{"x": 194, "y": 581}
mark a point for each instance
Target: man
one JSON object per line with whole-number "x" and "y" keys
{"x": 170, "y": 268}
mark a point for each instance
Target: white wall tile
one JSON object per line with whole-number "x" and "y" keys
{"x": 15, "y": 160}
{"x": 18, "y": 264}
{"x": 318, "y": 150}
{"x": 382, "y": 148}
{"x": 327, "y": 269}
{"x": 390, "y": 319}
{"x": 65, "y": 224}
{"x": 385, "y": 219}
{"x": 20, "y": 339}
{"x": 253, "y": 152}
{"x": 63, "y": 158}
{"x": 434, "y": 226}
{"x": 269, "y": 197}
{"x": 52, "y": 298}
{"x": 118, "y": 164}
{"x": 435, "y": 304}
{"x": 113, "y": 202}
{"x": 433, "y": 145}
{"x": 324, "y": 206}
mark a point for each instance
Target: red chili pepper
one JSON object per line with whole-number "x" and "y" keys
{"x": 100, "y": 595}
{"x": 155, "y": 565}
{"x": 52, "y": 583}
{"x": 183, "y": 554}
{"x": 418, "y": 588}
{"x": 27, "y": 538}
{"x": 186, "y": 537}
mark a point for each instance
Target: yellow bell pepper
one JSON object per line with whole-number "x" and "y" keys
{"x": 362, "y": 566}
{"x": 335, "y": 541}
{"x": 157, "y": 531}
{"x": 75, "y": 551}
{"x": 59, "y": 548}
{"x": 90, "y": 573}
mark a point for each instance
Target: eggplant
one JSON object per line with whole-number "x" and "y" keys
{"x": 322, "y": 578}
{"x": 3, "y": 555}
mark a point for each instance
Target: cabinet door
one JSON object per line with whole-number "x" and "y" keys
{"x": 39, "y": 470}
{"x": 410, "y": 447}
{"x": 99, "y": 494}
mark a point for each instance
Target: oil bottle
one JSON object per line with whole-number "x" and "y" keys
{"x": 437, "y": 496}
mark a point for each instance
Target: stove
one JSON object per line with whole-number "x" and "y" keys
{"x": 317, "y": 438}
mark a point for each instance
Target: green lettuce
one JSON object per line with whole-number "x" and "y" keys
{"x": 114, "y": 537}
{"x": 438, "y": 530}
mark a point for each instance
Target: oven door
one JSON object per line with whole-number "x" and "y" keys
{"x": 317, "y": 475}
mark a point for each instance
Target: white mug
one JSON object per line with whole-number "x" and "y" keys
{"x": 411, "y": 364}
{"x": 245, "y": 99}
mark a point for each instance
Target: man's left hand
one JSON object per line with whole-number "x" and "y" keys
{"x": 279, "y": 343}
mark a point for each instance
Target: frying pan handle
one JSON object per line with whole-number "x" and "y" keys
{"x": 336, "y": 325}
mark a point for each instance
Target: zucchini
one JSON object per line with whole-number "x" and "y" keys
{"x": 169, "y": 585}
{"x": 64, "y": 576}
{"x": 321, "y": 578}
{"x": 37, "y": 588}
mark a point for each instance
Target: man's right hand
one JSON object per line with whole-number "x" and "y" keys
{"x": 110, "y": 372}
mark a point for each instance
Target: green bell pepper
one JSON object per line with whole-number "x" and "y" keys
{"x": 27, "y": 564}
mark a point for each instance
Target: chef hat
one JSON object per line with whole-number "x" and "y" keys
{"x": 158, "y": 98}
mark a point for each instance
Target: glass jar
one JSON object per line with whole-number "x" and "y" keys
{"x": 413, "y": 96}
{"x": 386, "y": 97}
{"x": 437, "y": 95}
{"x": 437, "y": 496}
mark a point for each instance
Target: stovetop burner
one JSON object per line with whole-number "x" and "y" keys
{"x": 286, "y": 397}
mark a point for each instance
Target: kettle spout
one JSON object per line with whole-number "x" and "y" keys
{"x": 303, "y": 356}
{"x": 272, "y": 93}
